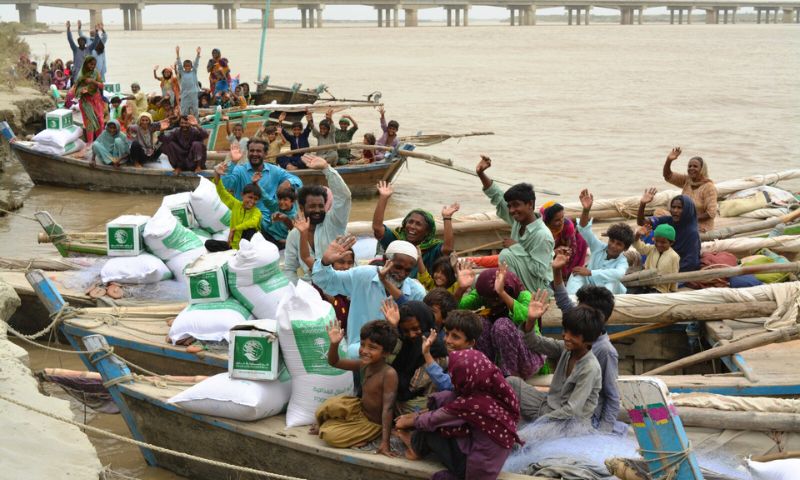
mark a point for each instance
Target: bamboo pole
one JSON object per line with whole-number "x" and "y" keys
{"x": 51, "y": 265}
{"x": 638, "y": 279}
{"x": 733, "y": 420}
{"x": 750, "y": 227}
{"x": 637, "y": 330}
{"x": 747, "y": 343}
{"x": 676, "y": 313}
{"x": 776, "y": 456}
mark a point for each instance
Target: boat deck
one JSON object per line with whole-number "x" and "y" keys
{"x": 273, "y": 431}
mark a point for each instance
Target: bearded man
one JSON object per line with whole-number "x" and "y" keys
{"x": 368, "y": 285}
{"x": 324, "y": 226}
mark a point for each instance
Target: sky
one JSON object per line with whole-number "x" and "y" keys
{"x": 206, "y": 13}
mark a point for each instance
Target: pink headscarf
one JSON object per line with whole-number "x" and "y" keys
{"x": 485, "y": 399}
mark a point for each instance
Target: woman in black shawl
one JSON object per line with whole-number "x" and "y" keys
{"x": 416, "y": 319}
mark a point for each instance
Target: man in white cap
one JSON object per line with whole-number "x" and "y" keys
{"x": 368, "y": 286}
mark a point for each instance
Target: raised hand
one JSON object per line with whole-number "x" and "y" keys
{"x": 465, "y": 273}
{"x": 561, "y": 258}
{"x": 674, "y": 154}
{"x": 539, "y": 304}
{"x": 236, "y": 152}
{"x": 500, "y": 278}
{"x": 256, "y": 177}
{"x": 384, "y": 270}
{"x": 648, "y": 195}
{"x": 79, "y": 24}
{"x": 582, "y": 271}
{"x": 587, "y": 199}
{"x": 385, "y": 189}
{"x": 429, "y": 341}
{"x": 391, "y": 311}
{"x": 381, "y": 110}
{"x": 198, "y": 51}
{"x": 221, "y": 168}
{"x": 281, "y": 118}
{"x": 642, "y": 231}
{"x": 314, "y": 162}
{"x": 338, "y": 249}
{"x": 279, "y": 217}
{"x": 335, "y": 332}
{"x": 178, "y": 50}
{"x": 448, "y": 211}
{"x": 507, "y": 242}
{"x": 484, "y": 164}
{"x": 301, "y": 223}
{"x": 68, "y": 25}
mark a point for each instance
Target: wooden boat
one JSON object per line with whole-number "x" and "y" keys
{"x": 75, "y": 171}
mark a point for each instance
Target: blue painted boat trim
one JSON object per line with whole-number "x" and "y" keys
{"x": 757, "y": 391}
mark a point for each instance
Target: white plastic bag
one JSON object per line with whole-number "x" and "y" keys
{"x": 65, "y": 150}
{"x": 177, "y": 264}
{"x": 244, "y": 400}
{"x": 207, "y": 207}
{"x": 167, "y": 238}
{"x": 302, "y": 318}
{"x": 255, "y": 277}
{"x": 784, "y": 469}
{"x": 58, "y": 138}
{"x": 208, "y": 321}
{"x": 144, "y": 268}
{"x": 223, "y": 235}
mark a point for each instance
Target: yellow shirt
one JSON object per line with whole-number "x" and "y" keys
{"x": 427, "y": 281}
{"x": 667, "y": 262}
{"x": 241, "y": 219}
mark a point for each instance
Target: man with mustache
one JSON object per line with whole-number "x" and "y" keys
{"x": 184, "y": 146}
{"x": 368, "y": 285}
{"x": 324, "y": 226}
{"x": 269, "y": 177}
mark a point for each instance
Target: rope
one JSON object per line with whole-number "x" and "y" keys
{"x": 150, "y": 446}
{"x": 19, "y": 215}
{"x": 673, "y": 460}
{"x": 65, "y": 311}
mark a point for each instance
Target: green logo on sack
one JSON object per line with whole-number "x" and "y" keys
{"x": 182, "y": 239}
{"x": 252, "y": 353}
{"x": 313, "y": 344}
{"x": 204, "y": 285}
{"x": 52, "y": 123}
{"x": 120, "y": 238}
{"x": 182, "y": 215}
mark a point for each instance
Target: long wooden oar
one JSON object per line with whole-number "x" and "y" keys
{"x": 751, "y": 227}
{"x": 645, "y": 277}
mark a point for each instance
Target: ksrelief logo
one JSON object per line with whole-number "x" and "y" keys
{"x": 121, "y": 237}
{"x": 204, "y": 288}
{"x": 253, "y": 350}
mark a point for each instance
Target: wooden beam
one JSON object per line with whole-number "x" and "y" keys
{"x": 646, "y": 277}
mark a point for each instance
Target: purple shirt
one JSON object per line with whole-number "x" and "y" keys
{"x": 485, "y": 458}
{"x": 382, "y": 141}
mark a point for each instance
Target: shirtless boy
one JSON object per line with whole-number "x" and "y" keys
{"x": 347, "y": 421}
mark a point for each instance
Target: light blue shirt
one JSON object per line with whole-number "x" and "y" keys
{"x": 606, "y": 272}
{"x": 272, "y": 176}
{"x": 366, "y": 293}
{"x": 335, "y": 224}
{"x": 441, "y": 379}
{"x": 188, "y": 79}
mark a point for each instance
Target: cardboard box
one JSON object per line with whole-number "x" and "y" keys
{"x": 112, "y": 87}
{"x": 58, "y": 119}
{"x": 253, "y": 350}
{"x": 208, "y": 277}
{"x": 124, "y": 235}
{"x": 179, "y": 205}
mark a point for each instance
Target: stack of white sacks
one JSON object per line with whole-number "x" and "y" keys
{"x": 225, "y": 290}
{"x": 61, "y": 137}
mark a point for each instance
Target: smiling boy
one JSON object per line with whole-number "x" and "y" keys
{"x": 245, "y": 218}
{"x": 462, "y": 329}
{"x": 346, "y": 421}
{"x": 660, "y": 256}
{"x": 529, "y": 251}
{"x": 606, "y": 265}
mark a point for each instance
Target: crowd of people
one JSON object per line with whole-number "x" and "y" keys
{"x": 442, "y": 355}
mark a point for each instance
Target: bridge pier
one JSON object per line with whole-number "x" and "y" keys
{"x": 455, "y": 12}
{"x": 27, "y": 13}
{"x": 132, "y": 16}
{"x": 577, "y": 10}
{"x": 95, "y": 17}
{"x": 766, "y": 11}
{"x": 270, "y": 20}
{"x": 680, "y": 10}
{"x": 412, "y": 17}
{"x": 626, "y": 15}
{"x": 791, "y": 15}
{"x": 226, "y": 16}
{"x": 522, "y": 15}
{"x": 389, "y": 21}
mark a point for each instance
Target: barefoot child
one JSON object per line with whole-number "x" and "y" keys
{"x": 346, "y": 421}
{"x": 606, "y": 265}
{"x": 245, "y": 218}
{"x": 472, "y": 429}
{"x": 576, "y": 382}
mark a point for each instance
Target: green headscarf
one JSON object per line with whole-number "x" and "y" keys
{"x": 430, "y": 239}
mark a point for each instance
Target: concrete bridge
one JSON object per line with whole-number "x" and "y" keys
{"x": 521, "y": 12}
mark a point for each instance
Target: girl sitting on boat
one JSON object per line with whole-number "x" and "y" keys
{"x": 111, "y": 147}
{"x": 471, "y": 429}
{"x": 503, "y": 302}
{"x": 564, "y": 235}
{"x": 683, "y": 218}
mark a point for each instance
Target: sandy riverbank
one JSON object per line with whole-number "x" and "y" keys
{"x": 33, "y": 445}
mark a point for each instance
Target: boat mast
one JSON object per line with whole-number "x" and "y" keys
{"x": 264, "y": 23}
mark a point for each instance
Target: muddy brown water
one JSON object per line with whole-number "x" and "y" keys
{"x": 596, "y": 107}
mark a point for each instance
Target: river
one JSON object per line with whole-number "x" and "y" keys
{"x": 571, "y": 107}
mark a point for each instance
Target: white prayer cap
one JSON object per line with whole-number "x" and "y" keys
{"x": 403, "y": 247}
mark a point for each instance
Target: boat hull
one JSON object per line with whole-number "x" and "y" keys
{"x": 65, "y": 171}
